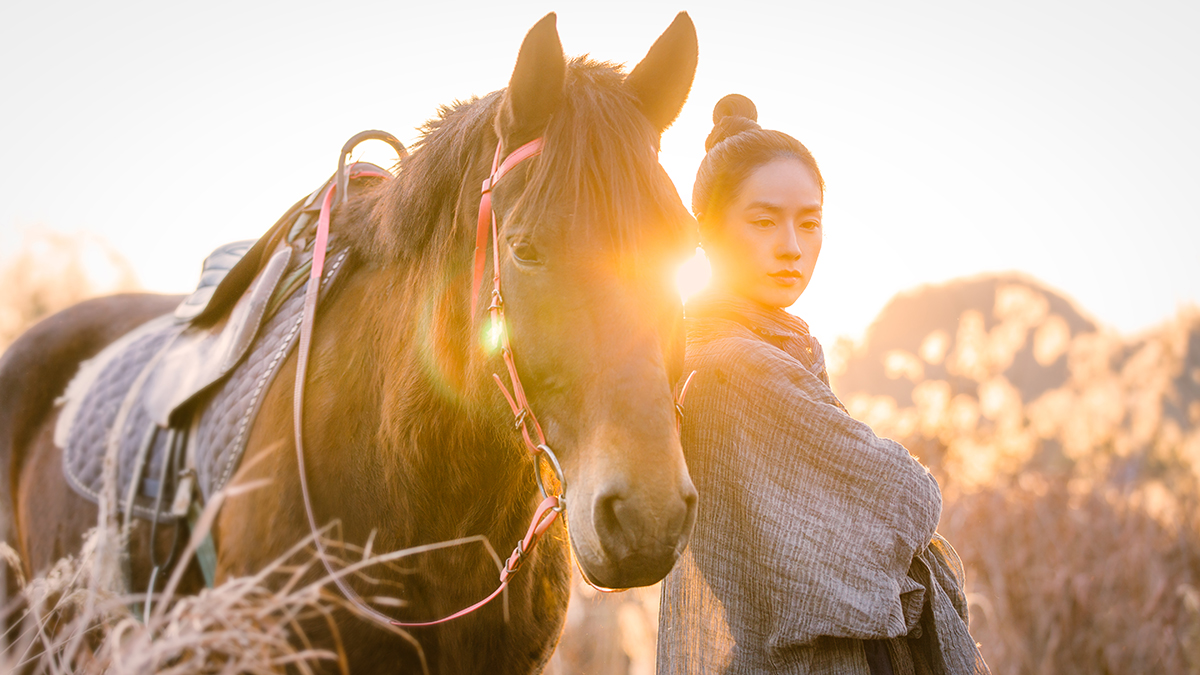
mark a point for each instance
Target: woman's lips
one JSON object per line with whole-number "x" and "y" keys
{"x": 786, "y": 277}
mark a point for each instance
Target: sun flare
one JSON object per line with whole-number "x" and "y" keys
{"x": 693, "y": 275}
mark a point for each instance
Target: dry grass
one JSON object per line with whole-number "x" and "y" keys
{"x": 76, "y": 618}
{"x": 1067, "y": 578}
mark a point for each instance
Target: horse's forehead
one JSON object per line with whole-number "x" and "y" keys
{"x": 640, "y": 241}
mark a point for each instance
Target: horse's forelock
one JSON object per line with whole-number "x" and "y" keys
{"x": 600, "y": 164}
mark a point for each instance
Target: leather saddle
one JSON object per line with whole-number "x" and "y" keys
{"x": 228, "y": 307}
{"x": 238, "y": 283}
{"x": 173, "y": 399}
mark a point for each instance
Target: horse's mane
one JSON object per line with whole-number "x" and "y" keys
{"x": 599, "y": 164}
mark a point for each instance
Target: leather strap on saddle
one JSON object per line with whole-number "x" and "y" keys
{"x": 223, "y": 325}
{"x": 340, "y": 186}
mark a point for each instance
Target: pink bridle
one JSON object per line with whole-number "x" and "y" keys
{"x": 552, "y": 504}
{"x": 522, "y": 413}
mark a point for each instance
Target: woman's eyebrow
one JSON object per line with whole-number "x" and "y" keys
{"x": 775, "y": 208}
{"x": 765, "y": 206}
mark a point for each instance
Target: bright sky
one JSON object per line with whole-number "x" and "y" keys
{"x": 1059, "y": 139}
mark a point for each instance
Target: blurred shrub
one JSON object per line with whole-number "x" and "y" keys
{"x": 1078, "y": 578}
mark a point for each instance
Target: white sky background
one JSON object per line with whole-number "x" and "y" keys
{"x": 1056, "y": 139}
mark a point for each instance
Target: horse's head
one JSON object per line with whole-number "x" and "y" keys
{"x": 589, "y": 235}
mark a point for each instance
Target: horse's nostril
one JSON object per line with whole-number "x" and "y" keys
{"x": 689, "y": 518}
{"x": 608, "y": 525}
{"x": 628, "y": 527}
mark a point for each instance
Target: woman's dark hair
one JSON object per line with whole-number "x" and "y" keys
{"x": 735, "y": 148}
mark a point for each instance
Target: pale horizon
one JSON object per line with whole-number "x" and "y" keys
{"x": 1049, "y": 139}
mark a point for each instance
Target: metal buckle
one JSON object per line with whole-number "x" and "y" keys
{"x": 516, "y": 558}
{"x": 545, "y": 451}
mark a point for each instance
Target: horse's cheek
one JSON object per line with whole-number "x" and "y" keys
{"x": 550, "y": 596}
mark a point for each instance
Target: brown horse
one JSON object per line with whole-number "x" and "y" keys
{"x": 407, "y": 438}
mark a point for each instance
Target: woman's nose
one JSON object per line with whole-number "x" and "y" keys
{"x": 788, "y": 246}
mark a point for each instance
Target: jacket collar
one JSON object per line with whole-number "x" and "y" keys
{"x": 767, "y": 322}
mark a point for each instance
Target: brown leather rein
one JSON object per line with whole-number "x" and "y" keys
{"x": 551, "y": 504}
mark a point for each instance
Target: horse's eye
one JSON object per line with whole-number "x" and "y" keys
{"x": 525, "y": 252}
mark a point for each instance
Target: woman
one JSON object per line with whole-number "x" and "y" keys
{"x": 815, "y": 547}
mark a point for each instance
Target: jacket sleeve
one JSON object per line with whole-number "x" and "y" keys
{"x": 808, "y": 522}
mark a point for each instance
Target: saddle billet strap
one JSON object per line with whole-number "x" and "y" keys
{"x": 171, "y": 464}
{"x": 112, "y": 450}
{"x": 109, "y": 500}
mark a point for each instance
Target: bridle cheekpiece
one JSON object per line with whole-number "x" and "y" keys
{"x": 551, "y": 504}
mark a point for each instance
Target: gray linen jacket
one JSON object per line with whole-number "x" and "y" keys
{"x": 813, "y": 534}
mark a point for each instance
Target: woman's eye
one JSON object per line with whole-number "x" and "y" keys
{"x": 763, "y": 222}
{"x": 525, "y": 252}
{"x": 810, "y": 224}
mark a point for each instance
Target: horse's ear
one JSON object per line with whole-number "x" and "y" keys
{"x": 536, "y": 88}
{"x": 662, "y": 80}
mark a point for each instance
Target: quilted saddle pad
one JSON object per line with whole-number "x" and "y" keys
{"x": 105, "y": 415}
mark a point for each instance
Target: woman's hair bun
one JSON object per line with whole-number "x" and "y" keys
{"x": 732, "y": 115}
{"x": 734, "y": 105}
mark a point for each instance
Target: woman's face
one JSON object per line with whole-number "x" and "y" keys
{"x": 765, "y": 246}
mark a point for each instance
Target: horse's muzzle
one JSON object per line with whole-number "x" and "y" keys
{"x": 638, "y": 538}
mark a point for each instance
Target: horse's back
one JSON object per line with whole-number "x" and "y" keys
{"x": 34, "y": 372}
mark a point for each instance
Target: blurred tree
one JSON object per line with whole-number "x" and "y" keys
{"x": 1069, "y": 458}
{"x": 51, "y": 271}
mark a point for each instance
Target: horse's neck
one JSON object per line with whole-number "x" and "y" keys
{"x": 408, "y": 406}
